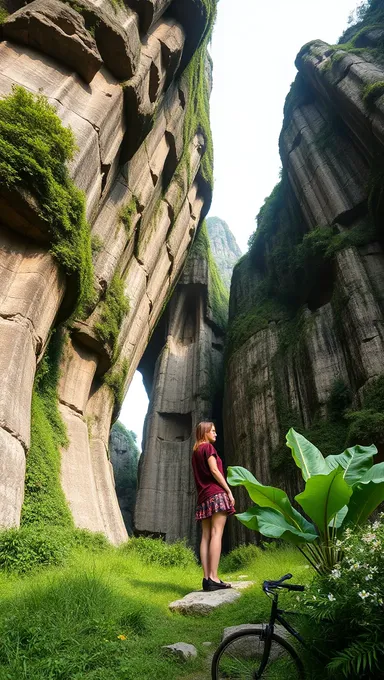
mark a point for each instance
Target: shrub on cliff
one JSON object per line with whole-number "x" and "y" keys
{"x": 34, "y": 150}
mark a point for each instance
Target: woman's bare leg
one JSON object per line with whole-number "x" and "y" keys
{"x": 218, "y": 521}
{"x": 204, "y": 545}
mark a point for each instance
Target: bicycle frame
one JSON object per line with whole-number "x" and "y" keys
{"x": 276, "y": 615}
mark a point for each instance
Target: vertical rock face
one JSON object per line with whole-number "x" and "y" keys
{"x": 124, "y": 458}
{"x": 224, "y": 248}
{"x": 182, "y": 370}
{"x": 124, "y": 80}
{"x": 306, "y": 309}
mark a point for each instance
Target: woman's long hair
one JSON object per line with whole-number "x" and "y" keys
{"x": 201, "y": 431}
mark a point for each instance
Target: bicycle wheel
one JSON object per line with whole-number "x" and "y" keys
{"x": 239, "y": 658}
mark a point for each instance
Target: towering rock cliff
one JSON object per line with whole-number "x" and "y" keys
{"x": 306, "y": 334}
{"x": 183, "y": 373}
{"x": 96, "y": 222}
{"x": 224, "y": 248}
{"x": 124, "y": 455}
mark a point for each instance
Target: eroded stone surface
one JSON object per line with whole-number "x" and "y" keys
{"x": 56, "y": 29}
{"x": 77, "y": 54}
{"x": 12, "y": 470}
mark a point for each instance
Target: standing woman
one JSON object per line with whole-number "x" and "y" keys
{"x": 214, "y": 502}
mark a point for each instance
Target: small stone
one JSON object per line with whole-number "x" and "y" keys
{"x": 181, "y": 649}
{"x": 207, "y": 644}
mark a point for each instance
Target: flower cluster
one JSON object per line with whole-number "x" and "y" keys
{"x": 348, "y": 603}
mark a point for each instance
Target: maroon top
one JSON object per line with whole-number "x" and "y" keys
{"x": 206, "y": 484}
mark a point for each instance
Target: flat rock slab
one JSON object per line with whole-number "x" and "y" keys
{"x": 181, "y": 649}
{"x": 201, "y": 602}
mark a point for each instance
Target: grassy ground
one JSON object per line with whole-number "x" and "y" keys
{"x": 105, "y": 615}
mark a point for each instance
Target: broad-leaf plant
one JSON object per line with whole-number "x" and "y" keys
{"x": 340, "y": 491}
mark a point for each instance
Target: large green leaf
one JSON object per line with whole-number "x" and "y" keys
{"x": 306, "y": 456}
{"x": 324, "y": 496}
{"x": 272, "y": 524}
{"x": 355, "y": 461}
{"x": 366, "y": 496}
{"x": 339, "y": 518}
{"x": 374, "y": 474}
{"x": 264, "y": 496}
{"x": 364, "y": 500}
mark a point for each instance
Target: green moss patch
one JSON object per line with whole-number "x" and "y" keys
{"x": 116, "y": 379}
{"x": 197, "y": 85}
{"x": 113, "y": 309}
{"x": 127, "y": 213}
{"x": 372, "y": 92}
{"x": 44, "y": 501}
{"x": 34, "y": 150}
{"x": 218, "y": 298}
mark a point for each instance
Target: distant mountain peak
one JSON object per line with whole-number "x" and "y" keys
{"x": 224, "y": 247}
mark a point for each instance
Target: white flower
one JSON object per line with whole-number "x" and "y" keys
{"x": 338, "y": 543}
{"x": 335, "y": 573}
{"x": 363, "y": 594}
{"x": 369, "y": 537}
{"x": 369, "y": 577}
{"x": 331, "y": 597}
{"x": 376, "y": 525}
{"x": 355, "y": 566}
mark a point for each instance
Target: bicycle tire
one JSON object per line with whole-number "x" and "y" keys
{"x": 239, "y": 658}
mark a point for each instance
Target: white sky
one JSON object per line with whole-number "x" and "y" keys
{"x": 253, "y": 51}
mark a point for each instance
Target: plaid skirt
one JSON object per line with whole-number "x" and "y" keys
{"x": 217, "y": 503}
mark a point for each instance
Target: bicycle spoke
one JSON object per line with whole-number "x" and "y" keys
{"x": 241, "y": 658}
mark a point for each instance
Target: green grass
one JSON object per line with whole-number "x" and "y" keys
{"x": 65, "y": 622}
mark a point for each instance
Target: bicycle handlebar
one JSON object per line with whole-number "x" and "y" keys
{"x": 269, "y": 586}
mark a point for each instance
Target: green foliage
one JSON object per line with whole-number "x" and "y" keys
{"x": 113, "y": 309}
{"x": 156, "y": 551}
{"x": 44, "y": 500}
{"x": 3, "y": 12}
{"x": 241, "y": 557}
{"x": 96, "y": 244}
{"x": 197, "y": 112}
{"x": 91, "y": 541}
{"x": 344, "y": 608}
{"x": 372, "y": 92}
{"x": 368, "y": 14}
{"x": 34, "y": 149}
{"x": 218, "y": 298}
{"x": 127, "y": 213}
{"x": 367, "y": 424}
{"x": 116, "y": 379}
{"x": 340, "y": 490}
{"x": 24, "y": 549}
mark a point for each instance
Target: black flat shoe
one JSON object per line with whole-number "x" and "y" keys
{"x": 214, "y": 585}
{"x": 205, "y": 583}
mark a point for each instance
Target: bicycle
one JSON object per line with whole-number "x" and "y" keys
{"x": 260, "y": 652}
